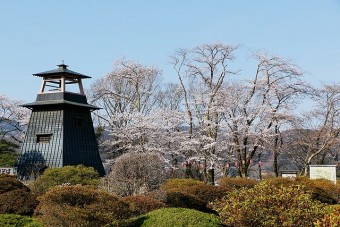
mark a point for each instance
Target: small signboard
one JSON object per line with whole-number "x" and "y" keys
{"x": 327, "y": 172}
{"x": 289, "y": 174}
{"x": 8, "y": 170}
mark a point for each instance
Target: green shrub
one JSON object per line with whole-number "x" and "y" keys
{"x": 204, "y": 192}
{"x": 331, "y": 219}
{"x": 265, "y": 205}
{"x": 177, "y": 184}
{"x": 8, "y": 153}
{"x": 143, "y": 204}
{"x": 9, "y": 183}
{"x": 72, "y": 175}
{"x": 179, "y": 199}
{"x": 280, "y": 181}
{"x": 80, "y": 206}
{"x": 10, "y": 220}
{"x": 169, "y": 217}
{"x": 15, "y": 197}
{"x": 237, "y": 182}
{"x": 322, "y": 190}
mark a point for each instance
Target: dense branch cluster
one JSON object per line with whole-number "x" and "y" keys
{"x": 208, "y": 121}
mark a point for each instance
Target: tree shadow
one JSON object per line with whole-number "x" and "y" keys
{"x": 31, "y": 165}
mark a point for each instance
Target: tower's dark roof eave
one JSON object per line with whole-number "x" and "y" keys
{"x": 58, "y": 102}
{"x": 59, "y": 71}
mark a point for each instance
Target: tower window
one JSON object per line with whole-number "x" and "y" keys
{"x": 44, "y": 138}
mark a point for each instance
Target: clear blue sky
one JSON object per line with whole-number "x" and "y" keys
{"x": 37, "y": 35}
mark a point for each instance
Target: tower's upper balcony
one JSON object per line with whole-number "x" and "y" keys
{"x": 61, "y": 80}
{"x": 61, "y": 86}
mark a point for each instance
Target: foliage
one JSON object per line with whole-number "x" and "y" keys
{"x": 265, "y": 205}
{"x": 176, "y": 217}
{"x": 280, "y": 181}
{"x": 331, "y": 219}
{"x": 180, "y": 199}
{"x": 8, "y": 153}
{"x": 8, "y": 183}
{"x": 136, "y": 173}
{"x": 178, "y": 184}
{"x": 206, "y": 193}
{"x": 15, "y": 197}
{"x": 143, "y": 204}
{"x": 72, "y": 175}
{"x": 237, "y": 182}
{"x": 80, "y": 206}
{"x": 10, "y": 220}
{"x": 323, "y": 190}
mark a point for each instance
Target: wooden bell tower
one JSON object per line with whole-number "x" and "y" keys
{"x": 60, "y": 131}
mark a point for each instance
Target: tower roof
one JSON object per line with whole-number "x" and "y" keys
{"x": 61, "y": 70}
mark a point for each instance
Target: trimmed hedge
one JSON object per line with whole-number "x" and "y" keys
{"x": 265, "y": 205}
{"x": 143, "y": 204}
{"x": 168, "y": 217}
{"x": 237, "y": 182}
{"x": 80, "y": 206}
{"x": 179, "y": 199}
{"x": 322, "y": 190}
{"x": 178, "y": 184}
{"x": 330, "y": 219}
{"x": 72, "y": 175}
{"x": 206, "y": 193}
{"x": 10, "y": 220}
{"x": 15, "y": 197}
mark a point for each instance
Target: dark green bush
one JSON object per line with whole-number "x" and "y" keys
{"x": 237, "y": 182}
{"x": 10, "y": 220}
{"x": 72, "y": 175}
{"x": 172, "y": 217}
{"x": 265, "y": 205}
{"x": 143, "y": 204}
{"x": 15, "y": 197}
{"x": 8, "y": 153}
{"x": 80, "y": 206}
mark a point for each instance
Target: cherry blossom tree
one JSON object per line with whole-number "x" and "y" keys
{"x": 318, "y": 130}
{"x": 202, "y": 71}
{"x": 126, "y": 95}
{"x": 13, "y": 118}
{"x": 253, "y": 110}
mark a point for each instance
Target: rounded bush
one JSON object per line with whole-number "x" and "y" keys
{"x": 80, "y": 206}
{"x": 9, "y": 183}
{"x": 237, "y": 182}
{"x": 330, "y": 219}
{"x": 265, "y": 205}
{"x": 322, "y": 190}
{"x": 173, "y": 217}
{"x": 136, "y": 174}
{"x": 10, "y": 220}
{"x": 143, "y": 204}
{"x": 15, "y": 197}
{"x": 178, "y": 184}
{"x": 204, "y": 192}
{"x": 280, "y": 181}
{"x": 71, "y": 175}
{"x": 179, "y": 199}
